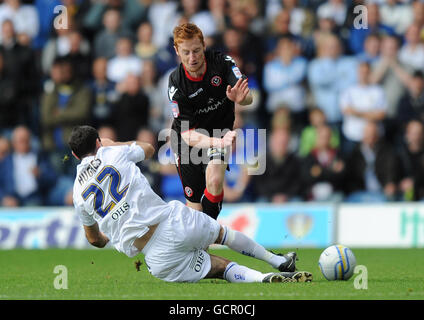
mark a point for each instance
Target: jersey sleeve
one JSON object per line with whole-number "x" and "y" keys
{"x": 231, "y": 71}
{"x": 182, "y": 111}
{"x": 85, "y": 218}
{"x": 135, "y": 153}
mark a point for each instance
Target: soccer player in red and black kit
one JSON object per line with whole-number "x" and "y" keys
{"x": 203, "y": 91}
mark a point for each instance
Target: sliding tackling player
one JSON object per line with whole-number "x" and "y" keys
{"x": 116, "y": 203}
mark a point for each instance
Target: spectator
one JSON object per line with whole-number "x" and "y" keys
{"x": 124, "y": 62}
{"x": 145, "y": 48}
{"x": 19, "y": 70}
{"x": 371, "y": 51}
{"x": 411, "y": 185}
{"x": 63, "y": 41}
{"x": 253, "y": 9}
{"x": 280, "y": 27}
{"x": 4, "y": 152}
{"x": 299, "y": 17}
{"x": 27, "y": 176}
{"x": 79, "y": 56}
{"x": 131, "y": 11}
{"x": 391, "y": 74}
{"x": 64, "y": 104}
{"x": 251, "y": 55}
{"x": 361, "y": 103}
{"x": 326, "y": 25}
{"x": 48, "y": 15}
{"x": 281, "y": 181}
{"x": 283, "y": 79}
{"x": 308, "y": 137}
{"x": 23, "y": 16}
{"x": 162, "y": 15}
{"x": 323, "y": 169}
{"x": 329, "y": 74}
{"x": 334, "y": 8}
{"x": 411, "y": 105}
{"x": 418, "y": 12}
{"x": 193, "y": 11}
{"x": 358, "y": 35}
{"x": 397, "y": 15}
{"x": 412, "y": 52}
{"x": 131, "y": 110}
{"x": 157, "y": 118}
{"x": 4, "y": 148}
{"x": 10, "y": 113}
{"x": 103, "y": 93}
{"x": 372, "y": 173}
{"x": 105, "y": 40}
{"x": 217, "y": 12}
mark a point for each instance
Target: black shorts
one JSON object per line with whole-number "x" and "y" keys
{"x": 193, "y": 179}
{"x": 193, "y": 176}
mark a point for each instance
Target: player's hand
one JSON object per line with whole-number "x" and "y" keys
{"x": 229, "y": 138}
{"x": 239, "y": 92}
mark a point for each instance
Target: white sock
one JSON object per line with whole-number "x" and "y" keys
{"x": 241, "y": 243}
{"x": 237, "y": 273}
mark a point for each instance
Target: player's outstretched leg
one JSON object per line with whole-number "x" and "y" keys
{"x": 232, "y": 272}
{"x": 243, "y": 244}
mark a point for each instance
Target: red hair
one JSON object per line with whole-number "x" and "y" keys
{"x": 187, "y": 31}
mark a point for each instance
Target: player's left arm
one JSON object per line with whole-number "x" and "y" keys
{"x": 238, "y": 86}
{"x": 94, "y": 236}
{"x": 240, "y": 92}
{"x": 148, "y": 149}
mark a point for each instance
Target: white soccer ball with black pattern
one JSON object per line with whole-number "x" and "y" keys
{"x": 337, "y": 262}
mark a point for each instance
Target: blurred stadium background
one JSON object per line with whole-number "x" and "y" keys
{"x": 343, "y": 109}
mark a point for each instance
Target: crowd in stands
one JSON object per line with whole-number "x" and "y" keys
{"x": 342, "y": 103}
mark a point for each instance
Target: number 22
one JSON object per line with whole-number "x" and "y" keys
{"x": 99, "y": 196}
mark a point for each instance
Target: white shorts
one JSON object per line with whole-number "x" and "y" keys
{"x": 176, "y": 251}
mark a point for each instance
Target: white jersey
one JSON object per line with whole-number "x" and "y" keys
{"x": 111, "y": 190}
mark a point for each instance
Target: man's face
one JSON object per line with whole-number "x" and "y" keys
{"x": 192, "y": 54}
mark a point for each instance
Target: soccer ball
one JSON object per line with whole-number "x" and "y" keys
{"x": 337, "y": 262}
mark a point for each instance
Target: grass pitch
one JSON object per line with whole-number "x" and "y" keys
{"x": 106, "y": 274}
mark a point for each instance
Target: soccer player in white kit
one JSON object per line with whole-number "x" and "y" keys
{"x": 116, "y": 203}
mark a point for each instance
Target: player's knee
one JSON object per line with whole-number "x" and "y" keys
{"x": 218, "y": 266}
{"x": 220, "y": 235}
{"x": 215, "y": 183}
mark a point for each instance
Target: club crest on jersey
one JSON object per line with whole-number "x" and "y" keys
{"x": 188, "y": 191}
{"x": 175, "y": 109}
{"x": 216, "y": 81}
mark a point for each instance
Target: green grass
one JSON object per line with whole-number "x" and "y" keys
{"x": 107, "y": 274}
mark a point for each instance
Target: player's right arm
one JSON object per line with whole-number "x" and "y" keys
{"x": 92, "y": 232}
{"x": 94, "y": 236}
{"x": 199, "y": 140}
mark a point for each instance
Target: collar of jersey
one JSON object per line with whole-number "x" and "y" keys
{"x": 86, "y": 160}
{"x": 193, "y": 78}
